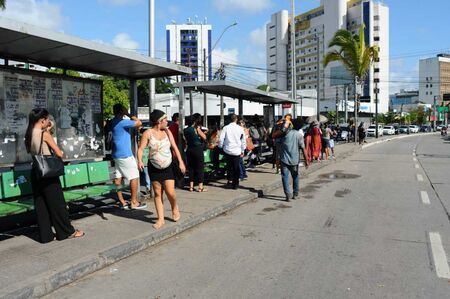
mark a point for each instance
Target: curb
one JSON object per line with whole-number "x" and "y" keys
{"x": 393, "y": 138}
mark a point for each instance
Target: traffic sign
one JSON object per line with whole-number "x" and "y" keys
{"x": 286, "y": 105}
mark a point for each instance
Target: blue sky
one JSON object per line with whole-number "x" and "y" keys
{"x": 418, "y": 28}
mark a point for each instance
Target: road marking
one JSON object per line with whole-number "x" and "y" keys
{"x": 414, "y": 154}
{"x": 417, "y": 166}
{"x": 424, "y": 197}
{"x": 415, "y": 159}
{"x": 439, "y": 257}
{"x": 419, "y": 177}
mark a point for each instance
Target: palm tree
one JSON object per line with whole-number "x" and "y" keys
{"x": 354, "y": 55}
{"x": 2, "y": 4}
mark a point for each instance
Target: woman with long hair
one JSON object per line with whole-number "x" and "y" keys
{"x": 161, "y": 145}
{"x": 49, "y": 201}
{"x": 213, "y": 146}
{"x": 195, "y": 139}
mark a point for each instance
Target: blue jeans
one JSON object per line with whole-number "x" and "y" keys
{"x": 285, "y": 171}
{"x": 242, "y": 170}
{"x": 145, "y": 178}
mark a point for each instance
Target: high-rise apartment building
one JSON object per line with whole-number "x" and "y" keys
{"x": 188, "y": 44}
{"x": 434, "y": 78}
{"x": 313, "y": 32}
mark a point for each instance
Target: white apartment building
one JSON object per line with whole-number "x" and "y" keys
{"x": 313, "y": 32}
{"x": 186, "y": 44}
{"x": 434, "y": 78}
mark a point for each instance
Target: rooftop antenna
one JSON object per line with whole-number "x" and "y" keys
{"x": 205, "y": 21}
{"x": 196, "y": 19}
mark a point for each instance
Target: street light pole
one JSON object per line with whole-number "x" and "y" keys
{"x": 293, "y": 56}
{"x": 376, "y": 109}
{"x": 318, "y": 77}
{"x": 151, "y": 47}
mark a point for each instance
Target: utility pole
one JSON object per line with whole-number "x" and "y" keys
{"x": 346, "y": 95}
{"x": 318, "y": 77}
{"x": 151, "y": 47}
{"x": 293, "y": 56}
{"x": 191, "y": 102}
{"x": 337, "y": 104}
{"x": 205, "y": 104}
{"x": 434, "y": 113}
{"x": 355, "y": 108}
{"x": 376, "y": 109}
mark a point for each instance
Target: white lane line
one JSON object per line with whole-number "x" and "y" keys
{"x": 414, "y": 154}
{"x": 419, "y": 177}
{"x": 417, "y": 166}
{"x": 415, "y": 159}
{"x": 439, "y": 257}
{"x": 424, "y": 197}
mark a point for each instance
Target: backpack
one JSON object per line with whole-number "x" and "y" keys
{"x": 108, "y": 135}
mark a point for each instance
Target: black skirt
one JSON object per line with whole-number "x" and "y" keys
{"x": 160, "y": 175}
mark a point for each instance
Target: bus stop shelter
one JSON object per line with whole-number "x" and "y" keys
{"x": 30, "y": 44}
{"x": 233, "y": 90}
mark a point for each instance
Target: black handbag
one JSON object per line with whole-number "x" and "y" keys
{"x": 47, "y": 166}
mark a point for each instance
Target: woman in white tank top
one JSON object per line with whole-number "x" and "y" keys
{"x": 161, "y": 144}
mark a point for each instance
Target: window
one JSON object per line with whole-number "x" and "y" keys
{"x": 431, "y": 85}
{"x": 431, "y": 92}
{"x": 376, "y": 38}
{"x": 376, "y": 70}
{"x": 426, "y": 93}
{"x": 426, "y": 86}
{"x": 273, "y": 38}
{"x": 273, "y": 47}
{"x": 376, "y": 18}
{"x": 376, "y": 28}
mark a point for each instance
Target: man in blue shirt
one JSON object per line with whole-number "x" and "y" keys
{"x": 290, "y": 145}
{"x": 125, "y": 163}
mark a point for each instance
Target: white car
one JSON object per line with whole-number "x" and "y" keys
{"x": 371, "y": 130}
{"x": 389, "y": 130}
{"x": 414, "y": 129}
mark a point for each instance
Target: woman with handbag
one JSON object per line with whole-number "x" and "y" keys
{"x": 50, "y": 207}
{"x": 165, "y": 162}
{"x": 195, "y": 141}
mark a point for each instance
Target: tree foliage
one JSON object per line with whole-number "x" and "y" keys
{"x": 2, "y": 4}
{"x": 61, "y": 71}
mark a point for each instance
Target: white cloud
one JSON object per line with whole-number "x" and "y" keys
{"x": 224, "y": 56}
{"x": 124, "y": 41}
{"x": 39, "y": 13}
{"x": 249, "y": 6}
{"x": 258, "y": 36}
{"x": 402, "y": 76}
{"x": 120, "y": 2}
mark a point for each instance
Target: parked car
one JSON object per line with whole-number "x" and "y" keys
{"x": 425, "y": 128}
{"x": 372, "y": 128}
{"x": 413, "y": 129}
{"x": 388, "y": 130}
{"x": 438, "y": 128}
{"x": 396, "y": 129}
{"x": 403, "y": 129}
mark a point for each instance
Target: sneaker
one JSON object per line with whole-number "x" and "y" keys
{"x": 125, "y": 207}
{"x": 295, "y": 196}
{"x": 141, "y": 206}
{"x": 288, "y": 197}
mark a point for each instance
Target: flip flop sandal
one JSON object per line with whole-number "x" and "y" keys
{"x": 76, "y": 234}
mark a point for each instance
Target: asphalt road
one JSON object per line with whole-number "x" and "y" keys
{"x": 375, "y": 225}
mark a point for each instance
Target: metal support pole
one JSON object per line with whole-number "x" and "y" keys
{"x": 337, "y": 104}
{"x": 205, "y": 104}
{"x": 191, "y": 103}
{"x": 240, "y": 107}
{"x": 355, "y": 109}
{"x": 182, "y": 115}
{"x": 151, "y": 49}
{"x": 318, "y": 77}
{"x": 293, "y": 70}
{"x": 133, "y": 111}
{"x": 346, "y": 95}
{"x": 222, "y": 120}
{"x": 376, "y": 109}
{"x": 434, "y": 113}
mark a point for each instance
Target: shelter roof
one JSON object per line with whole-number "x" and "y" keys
{"x": 28, "y": 43}
{"x": 235, "y": 90}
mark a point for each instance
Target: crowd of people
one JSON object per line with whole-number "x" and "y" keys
{"x": 161, "y": 165}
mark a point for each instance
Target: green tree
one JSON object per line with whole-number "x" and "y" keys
{"x": 353, "y": 53}
{"x": 263, "y": 87}
{"x": 3, "y": 4}
{"x": 61, "y": 72}
{"x": 114, "y": 91}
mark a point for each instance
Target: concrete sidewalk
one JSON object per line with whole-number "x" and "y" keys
{"x": 30, "y": 269}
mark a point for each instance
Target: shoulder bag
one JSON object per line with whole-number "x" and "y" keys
{"x": 47, "y": 166}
